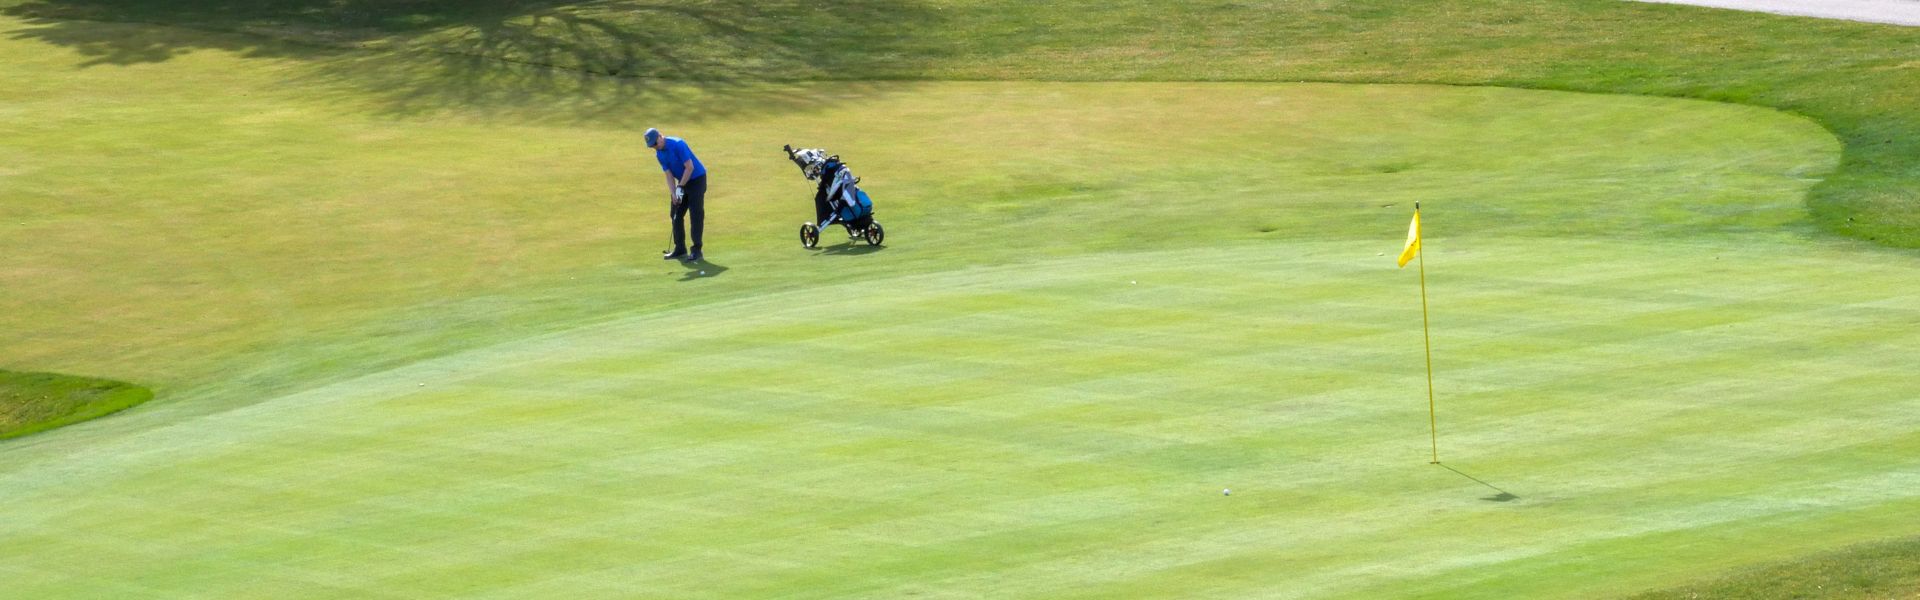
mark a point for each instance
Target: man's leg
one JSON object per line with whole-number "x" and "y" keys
{"x": 696, "y": 205}
{"x": 678, "y": 213}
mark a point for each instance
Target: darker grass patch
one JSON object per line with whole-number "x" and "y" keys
{"x": 35, "y": 402}
{"x": 1857, "y": 79}
{"x": 581, "y": 60}
{"x": 1878, "y": 570}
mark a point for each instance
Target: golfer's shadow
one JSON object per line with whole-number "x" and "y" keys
{"x": 1499, "y": 495}
{"x": 701, "y": 269}
{"x": 850, "y": 249}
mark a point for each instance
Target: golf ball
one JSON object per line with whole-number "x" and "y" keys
{"x": 1227, "y": 492}
{"x": 703, "y": 272}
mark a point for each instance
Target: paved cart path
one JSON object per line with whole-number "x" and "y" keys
{"x": 1898, "y": 12}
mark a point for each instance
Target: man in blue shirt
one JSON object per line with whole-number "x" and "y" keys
{"x": 686, "y": 190}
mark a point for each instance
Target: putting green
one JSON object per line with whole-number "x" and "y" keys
{"x": 1057, "y": 428}
{"x": 422, "y": 356}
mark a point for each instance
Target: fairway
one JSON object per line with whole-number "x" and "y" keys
{"x": 431, "y": 353}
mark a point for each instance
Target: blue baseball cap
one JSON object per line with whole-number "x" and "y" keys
{"x": 653, "y": 137}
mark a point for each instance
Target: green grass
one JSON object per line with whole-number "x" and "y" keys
{"x": 410, "y": 339}
{"x": 1881, "y": 570}
{"x": 1057, "y": 426}
{"x": 34, "y": 402}
{"x": 1855, "y": 79}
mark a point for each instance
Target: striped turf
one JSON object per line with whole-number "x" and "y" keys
{"x": 420, "y": 355}
{"x": 1057, "y": 429}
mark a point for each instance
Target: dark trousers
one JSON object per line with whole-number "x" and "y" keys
{"x": 693, "y": 202}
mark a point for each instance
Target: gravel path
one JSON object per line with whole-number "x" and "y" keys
{"x": 1898, "y": 12}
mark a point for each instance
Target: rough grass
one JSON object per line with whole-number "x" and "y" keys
{"x": 1855, "y": 79}
{"x": 1880, "y": 571}
{"x": 34, "y": 402}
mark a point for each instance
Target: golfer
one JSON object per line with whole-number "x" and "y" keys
{"x": 686, "y": 190}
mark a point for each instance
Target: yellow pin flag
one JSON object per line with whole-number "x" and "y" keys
{"x": 1413, "y": 239}
{"x": 1426, "y": 332}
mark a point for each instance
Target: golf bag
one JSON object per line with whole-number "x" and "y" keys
{"x": 837, "y": 198}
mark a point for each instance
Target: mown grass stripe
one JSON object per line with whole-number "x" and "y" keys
{"x": 1006, "y": 464}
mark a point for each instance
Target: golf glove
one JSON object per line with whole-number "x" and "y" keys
{"x": 679, "y": 194}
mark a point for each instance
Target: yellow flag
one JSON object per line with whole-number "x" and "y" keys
{"x": 1413, "y": 240}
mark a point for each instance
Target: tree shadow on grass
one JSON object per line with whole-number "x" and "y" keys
{"x": 267, "y": 24}
{"x": 559, "y": 60}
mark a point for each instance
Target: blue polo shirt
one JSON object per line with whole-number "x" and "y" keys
{"x": 674, "y": 156}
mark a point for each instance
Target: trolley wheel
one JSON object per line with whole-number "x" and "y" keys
{"x": 809, "y": 235}
{"x": 875, "y": 234}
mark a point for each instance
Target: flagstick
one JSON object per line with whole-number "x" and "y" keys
{"x": 1433, "y": 423}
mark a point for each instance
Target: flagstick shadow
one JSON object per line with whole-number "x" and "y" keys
{"x": 1500, "y": 495}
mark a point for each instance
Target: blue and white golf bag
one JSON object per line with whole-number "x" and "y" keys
{"x": 850, "y": 205}
{"x": 838, "y": 198}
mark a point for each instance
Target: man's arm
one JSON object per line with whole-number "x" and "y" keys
{"x": 688, "y": 174}
{"x": 671, "y": 187}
